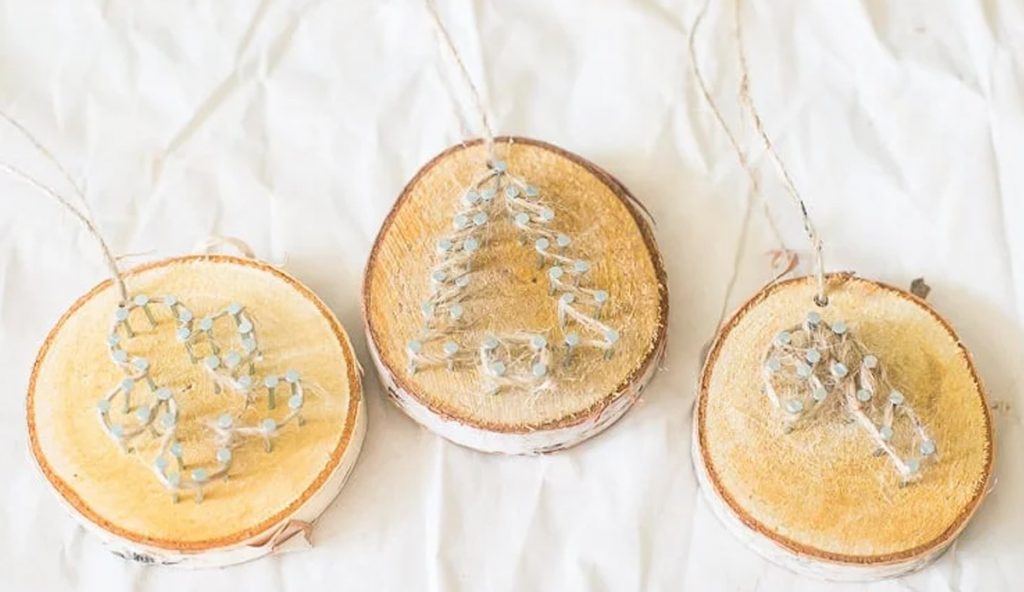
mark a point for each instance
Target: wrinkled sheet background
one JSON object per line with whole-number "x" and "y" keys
{"x": 294, "y": 125}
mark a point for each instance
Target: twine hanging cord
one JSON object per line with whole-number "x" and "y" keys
{"x": 747, "y": 101}
{"x": 81, "y": 214}
{"x": 453, "y": 53}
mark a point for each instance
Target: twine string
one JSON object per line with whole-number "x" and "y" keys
{"x": 747, "y": 100}
{"x": 478, "y": 102}
{"x": 754, "y": 188}
{"x": 81, "y": 214}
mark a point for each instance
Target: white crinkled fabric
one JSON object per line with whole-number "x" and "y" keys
{"x": 295, "y": 124}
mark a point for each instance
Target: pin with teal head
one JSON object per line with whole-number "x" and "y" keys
{"x": 870, "y": 362}
{"x": 531, "y": 192}
{"x": 511, "y": 192}
{"x": 271, "y": 383}
{"x": 522, "y": 222}
{"x": 480, "y": 218}
{"x": 563, "y": 241}
{"x": 547, "y": 215}
{"x": 579, "y": 268}
{"x": 564, "y": 302}
{"x": 295, "y": 404}
{"x": 206, "y": 326}
{"x": 455, "y": 312}
{"x": 487, "y": 194}
{"x": 185, "y": 315}
{"x": 611, "y": 337}
{"x": 450, "y": 348}
{"x": 141, "y": 364}
{"x": 142, "y": 301}
{"x": 174, "y": 480}
{"x": 121, "y": 317}
{"x": 437, "y": 278}
{"x": 245, "y": 327}
{"x": 541, "y": 245}
{"x": 127, "y": 386}
{"x": 212, "y": 363}
{"x": 292, "y": 378}
{"x": 232, "y": 360}
{"x": 471, "y": 245}
{"x": 555, "y": 276}
{"x": 160, "y": 464}
{"x": 413, "y": 349}
{"x": 178, "y": 453}
{"x": 103, "y": 406}
{"x": 170, "y": 302}
{"x": 839, "y": 328}
{"x": 200, "y": 477}
{"x": 460, "y": 221}
{"x": 572, "y": 341}
{"x": 490, "y": 343}
{"x": 470, "y": 198}
{"x": 268, "y": 426}
{"x": 499, "y": 166}
{"x": 224, "y": 460}
{"x": 120, "y": 356}
{"x": 600, "y": 299}
{"x": 539, "y": 370}
{"x": 244, "y": 383}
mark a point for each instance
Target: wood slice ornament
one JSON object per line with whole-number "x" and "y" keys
{"x": 515, "y": 303}
{"x": 840, "y": 428}
{"x": 197, "y": 411}
{"x": 208, "y": 421}
{"x": 850, "y": 477}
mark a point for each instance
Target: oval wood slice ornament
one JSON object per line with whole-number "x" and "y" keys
{"x": 516, "y": 304}
{"x": 207, "y": 420}
{"x": 850, "y": 441}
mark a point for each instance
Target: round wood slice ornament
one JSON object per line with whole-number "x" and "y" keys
{"x": 208, "y": 420}
{"x": 850, "y": 441}
{"x": 515, "y": 304}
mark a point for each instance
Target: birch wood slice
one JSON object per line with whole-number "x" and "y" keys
{"x": 510, "y": 292}
{"x": 269, "y": 501}
{"x": 818, "y": 500}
